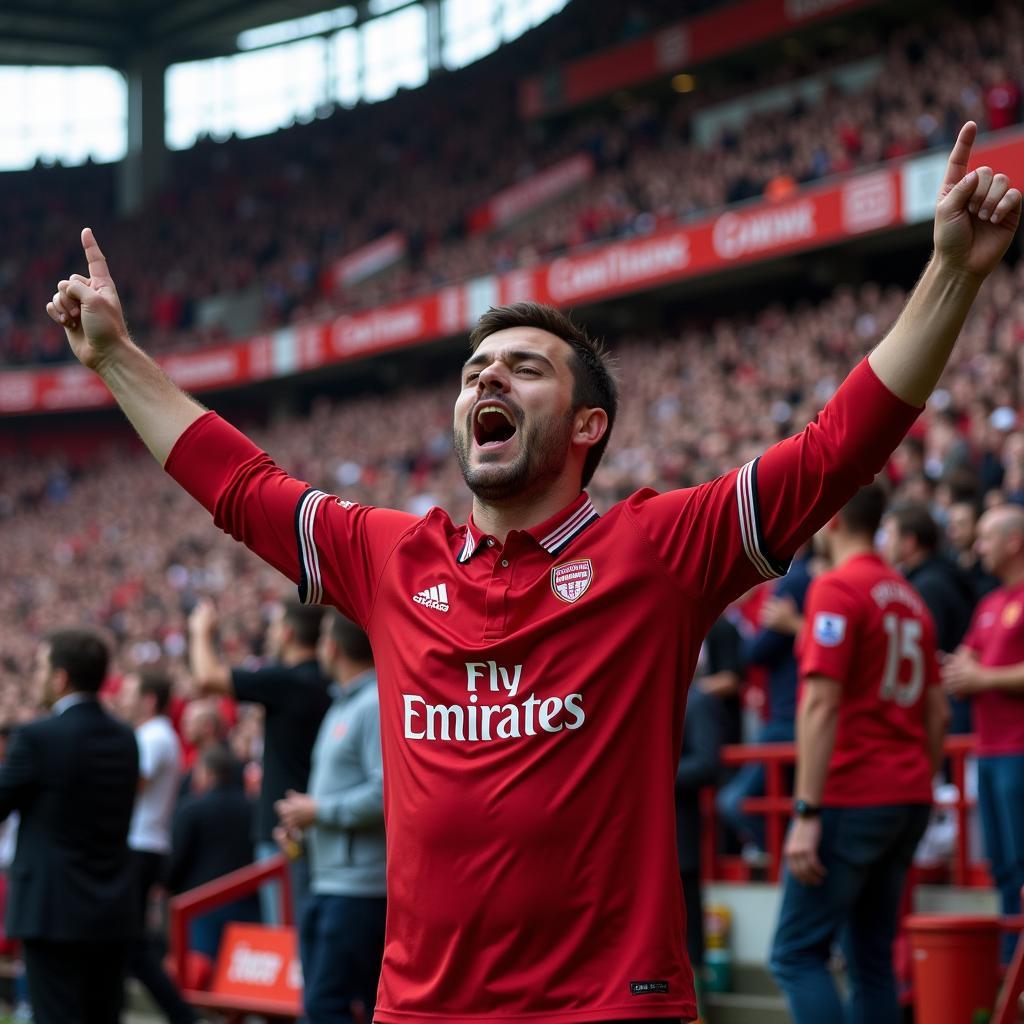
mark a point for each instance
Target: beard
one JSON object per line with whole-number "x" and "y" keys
{"x": 543, "y": 451}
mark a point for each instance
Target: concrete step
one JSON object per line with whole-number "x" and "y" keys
{"x": 743, "y": 1008}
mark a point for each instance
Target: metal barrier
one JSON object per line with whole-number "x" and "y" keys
{"x": 776, "y": 807}
{"x": 204, "y": 898}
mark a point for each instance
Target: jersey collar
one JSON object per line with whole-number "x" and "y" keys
{"x": 553, "y": 535}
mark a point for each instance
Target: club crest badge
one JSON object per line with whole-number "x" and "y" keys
{"x": 570, "y": 580}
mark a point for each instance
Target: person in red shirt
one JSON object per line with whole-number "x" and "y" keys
{"x": 870, "y": 727}
{"x": 532, "y": 662}
{"x": 988, "y": 668}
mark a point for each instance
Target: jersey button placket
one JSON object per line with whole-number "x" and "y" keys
{"x": 496, "y": 603}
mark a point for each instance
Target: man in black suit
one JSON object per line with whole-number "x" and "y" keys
{"x": 72, "y": 777}
{"x": 212, "y": 836}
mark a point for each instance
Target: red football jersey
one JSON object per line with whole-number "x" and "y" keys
{"x": 996, "y": 635}
{"x": 867, "y": 628}
{"x": 532, "y": 698}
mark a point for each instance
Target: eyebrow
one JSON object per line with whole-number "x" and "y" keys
{"x": 516, "y": 355}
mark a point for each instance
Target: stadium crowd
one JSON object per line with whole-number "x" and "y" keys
{"x": 115, "y": 545}
{"x": 275, "y": 214}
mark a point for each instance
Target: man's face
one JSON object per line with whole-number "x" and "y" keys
{"x": 891, "y": 546}
{"x": 130, "y": 698}
{"x": 960, "y": 526}
{"x": 514, "y": 417}
{"x": 998, "y": 544}
{"x": 325, "y": 649}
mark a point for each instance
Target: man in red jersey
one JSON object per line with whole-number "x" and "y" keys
{"x": 530, "y": 661}
{"x": 869, "y": 734}
{"x": 989, "y": 668}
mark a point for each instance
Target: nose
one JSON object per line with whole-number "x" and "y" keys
{"x": 493, "y": 377}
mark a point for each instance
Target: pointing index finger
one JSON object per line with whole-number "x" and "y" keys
{"x": 960, "y": 157}
{"x": 94, "y": 256}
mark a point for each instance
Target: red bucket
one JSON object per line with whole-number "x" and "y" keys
{"x": 956, "y": 966}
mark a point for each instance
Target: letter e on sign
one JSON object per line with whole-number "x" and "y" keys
{"x": 570, "y": 580}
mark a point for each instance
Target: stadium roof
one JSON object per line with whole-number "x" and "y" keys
{"x": 113, "y": 32}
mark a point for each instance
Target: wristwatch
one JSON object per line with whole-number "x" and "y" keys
{"x": 802, "y": 809}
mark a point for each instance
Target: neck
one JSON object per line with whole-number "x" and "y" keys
{"x": 346, "y": 674}
{"x": 912, "y": 561}
{"x": 1013, "y": 574}
{"x": 499, "y": 519}
{"x": 292, "y": 656}
{"x": 845, "y": 548}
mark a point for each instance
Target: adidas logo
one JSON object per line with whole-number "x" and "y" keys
{"x": 434, "y": 597}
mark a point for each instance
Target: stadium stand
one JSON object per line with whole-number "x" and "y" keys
{"x": 255, "y": 247}
{"x": 249, "y": 236}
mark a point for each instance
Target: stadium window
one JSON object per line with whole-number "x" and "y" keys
{"x": 248, "y": 94}
{"x": 344, "y": 60}
{"x": 43, "y": 117}
{"x": 470, "y": 30}
{"x": 394, "y": 53}
{"x": 518, "y": 16}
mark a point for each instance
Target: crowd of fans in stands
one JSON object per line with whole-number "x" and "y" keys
{"x": 262, "y": 221}
{"x": 113, "y": 543}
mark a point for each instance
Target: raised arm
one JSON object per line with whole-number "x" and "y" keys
{"x": 332, "y": 549}
{"x": 89, "y": 310}
{"x": 975, "y": 220}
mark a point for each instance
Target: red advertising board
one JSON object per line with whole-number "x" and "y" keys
{"x": 808, "y": 219}
{"x": 368, "y": 260}
{"x": 525, "y": 196}
{"x": 258, "y": 963}
{"x": 684, "y": 44}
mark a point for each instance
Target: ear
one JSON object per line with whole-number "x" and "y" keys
{"x": 60, "y": 682}
{"x": 591, "y": 426}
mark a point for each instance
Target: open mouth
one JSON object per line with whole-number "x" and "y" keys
{"x": 493, "y": 425}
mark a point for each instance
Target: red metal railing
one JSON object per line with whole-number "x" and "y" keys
{"x": 776, "y": 805}
{"x": 204, "y": 898}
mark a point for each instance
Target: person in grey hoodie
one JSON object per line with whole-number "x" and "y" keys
{"x": 341, "y": 820}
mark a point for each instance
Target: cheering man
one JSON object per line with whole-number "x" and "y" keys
{"x": 529, "y": 661}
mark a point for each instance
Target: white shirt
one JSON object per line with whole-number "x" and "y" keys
{"x": 160, "y": 767}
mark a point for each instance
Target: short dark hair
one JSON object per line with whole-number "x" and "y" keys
{"x": 81, "y": 653}
{"x": 219, "y": 762}
{"x": 862, "y": 514}
{"x": 304, "y": 621}
{"x": 592, "y": 364}
{"x": 159, "y": 685}
{"x": 914, "y": 519}
{"x": 350, "y": 639}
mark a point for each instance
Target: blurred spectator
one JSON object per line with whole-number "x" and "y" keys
{"x": 699, "y": 765}
{"x": 869, "y": 682}
{"x": 72, "y": 777}
{"x": 145, "y": 699}
{"x": 342, "y": 821}
{"x": 212, "y": 837}
{"x": 962, "y": 533}
{"x": 913, "y": 545}
{"x": 294, "y": 695}
{"x": 719, "y": 672}
{"x": 771, "y": 647}
{"x": 989, "y": 668}
{"x": 203, "y": 729}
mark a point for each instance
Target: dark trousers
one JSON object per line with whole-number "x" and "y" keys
{"x": 1001, "y": 802}
{"x": 694, "y": 904}
{"x": 75, "y": 982}
{"x": 146, "y": 961}
{"x": 341, "y": 944}
{"x": 866, "y": 852}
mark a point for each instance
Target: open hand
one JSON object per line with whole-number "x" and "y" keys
{"x": 88, "y": 308}
{"x": 977, "y": 213}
